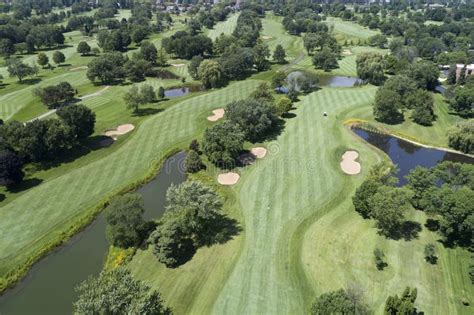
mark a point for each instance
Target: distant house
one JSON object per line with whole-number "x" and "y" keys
{"x": 460, "y": 67}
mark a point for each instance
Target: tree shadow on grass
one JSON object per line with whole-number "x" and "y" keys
{"x": 146, "y": 111}
{"x": 288, "y": 115}
{"x": 31, "y": 81}
{"x": 407, "y": 231}
{"x": 25, "y": 185}
{"x": 2, "y": 197}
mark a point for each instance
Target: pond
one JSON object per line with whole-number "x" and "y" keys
{"x": 407, "y": 155}
{"x": 329, "y": 81}
{"x": 177, "y": 92}
{"x": 49, "y": 286}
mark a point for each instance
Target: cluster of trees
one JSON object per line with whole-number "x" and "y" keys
{"x": 143, "y": 95}
{"x": 185, "y": 45}
{"x": 117, "y": 292}
{"x": 462, "y": 99}
{"x": 252, "y": 119}
{"x": 301, "y": 18}
{"x": 325, "y": 48}
{"x": 191, "y": 220}
{"x": 54, "y": 96}
{"x": 401, "y": 93}
{"x": 41, "y": 140}
{"x": 350, "y": 302}
{"x": 461, "y": 136}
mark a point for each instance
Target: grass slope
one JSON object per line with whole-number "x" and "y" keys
{"x": 349, "y": 30}
{"x": 225, "y": 27}
{"x": 273, "y": 28}
{"x": 40, "y": 216}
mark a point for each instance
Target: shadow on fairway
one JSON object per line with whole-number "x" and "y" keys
{"x": 25, "y": 185}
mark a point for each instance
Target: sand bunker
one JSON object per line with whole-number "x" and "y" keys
{"x": 218, "y": 114}
{"x": 228, "y": 179}
{"x": 349, "y": 165}
{"x": 178, "y": 65}
{"x": 266, "y": 37}
{"x": 259, "y": 152}
{"x": 121, "y": 130}
{"x": 347, "y": 52}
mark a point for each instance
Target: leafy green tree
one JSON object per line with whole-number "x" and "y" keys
{"x": 42, "y": 59}
{"x": 379, "y": 257}
{"x": 424, "y": 73}
{"x": 462, "y": 101}
{"x": 16, "y": 68}
{"x": 370, "y": 68}
{"x": 325, "y": 59}
{"x": 194, "y": 146}
{"x": 124, "y": 217}
{"x": 278, "y": 80}
{"x": 79, "y": 118}
{"x": 193, "y": 162}
{"x": 279, "y": 54}
{"x": 460, "y": 136}
{"x": 403, "y": 86}
{"x": 148, "y": 93}
{"x": 452, "y": 75}
{"x": 117, "y": 292}
{"x": 420, "y": 179}
{"x": 462, "y": 76}
{"x": 378, "y": 40}
{"x": 260, "y": 55}
{"x": 133, "y": 98}
{"x": 422, "y": 103}
{"x": 193, "y": 66}
{"x": 11, "y": 168}
{"x": 405, "y": 304}
{"x": 210, "y": 73}
{"x": 162, "y": 58}
{"x": 223, "y": 143}
{"x": 136, "y": 69}
{"x": 430, "y": 254}
{"x": 58, "y": 57}
{"x": 256, "y": 118}
{"x": 283, "y": 105}
{"x": 339, "y": 302}
{"x": 54, "y": 96}
{"x": 262, "y": 93}
{"x": 149, "y": 52}
{"x": 389, "y": 205}
{"x": 161, "y": 92}
{"x": 387, "y": 106}
{"x": 106, "y": 68}
{"x": 83, "y": 48}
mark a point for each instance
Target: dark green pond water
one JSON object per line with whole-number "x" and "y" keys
{"x": 49, "y": 286}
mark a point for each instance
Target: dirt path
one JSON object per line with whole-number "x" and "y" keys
{"x": 293, "y": 62}
{"x": 49, "y": 113}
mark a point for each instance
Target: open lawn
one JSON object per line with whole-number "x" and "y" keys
{"x": 274, "y": 34}
{"x": 347, "y": 30}
{"x": 41, "y": 216}
{"x": 225, "y": 27}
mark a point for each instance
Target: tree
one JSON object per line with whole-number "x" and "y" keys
{"x": 79, "y": 118}
{"x": 193, "y": 66}
{"x": 379, "y": 259}
{"x": 124, "y": 217}
{"x": 223, "y": 143}
{"x": 193, "y": 162}
{"x": 378, "y": 40}
{"x": 58, "y": 57}
{"x": 420, "y": 180}
{"x": 194, "y": 146}
{"x": 283, "y": 105}
{"x": 325, "y": 59}
{"x": 133, "y": 99}
{"x": 161, "y": 92}
{"x": 189, "y": 222}
{"x": 210, "y": 73}
{"x": 422, "y": 103}
{"x": 11, "y": 168}
{"x": 278, "y": 80}
{"x": 452, "y": 75}
{"x": 83, "y": 48}
{"x": 338, "y": 302}
{"x": 402, "y": 305}
{"x": 54, "y": 96}
{"x": 260, "y": 55}
{"x": 106, "y": 68}
{"x": 424, "y": 73}
{"x": 148, "y": 93}
{"x": 18, "y": 69}
{"x": 462, "y": 76}
{"x": 430, "y": 254}
{"x": 370, "y": 68}
{"x": 162, "y": 58}
{"x": 149, "y": 52}
{"x": 463, "y": 100}
{"x": 460, "y": 136}
{"x": 6, "y": 47}
{"x": 136, "y": 69}
{"x": 42, "y": 59}
{"x": 256, "y": 118}
{"x": 117, "y": 292}
{"x": 262, "y": 93}
{"x": 389, "y": 205}
{"x": 387, "y": 106}
{"x": 279, "y": 54}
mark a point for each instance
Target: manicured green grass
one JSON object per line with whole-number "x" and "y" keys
{"x": 39, "y": 217}
{"x": 225, "y": 27}
{"x": 274, "y": 34}
{"x": 301, "y": 236}
{"x": 349, "y": 30}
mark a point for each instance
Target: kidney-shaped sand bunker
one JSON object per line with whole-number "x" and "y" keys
{"x": 349, "y": 165}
